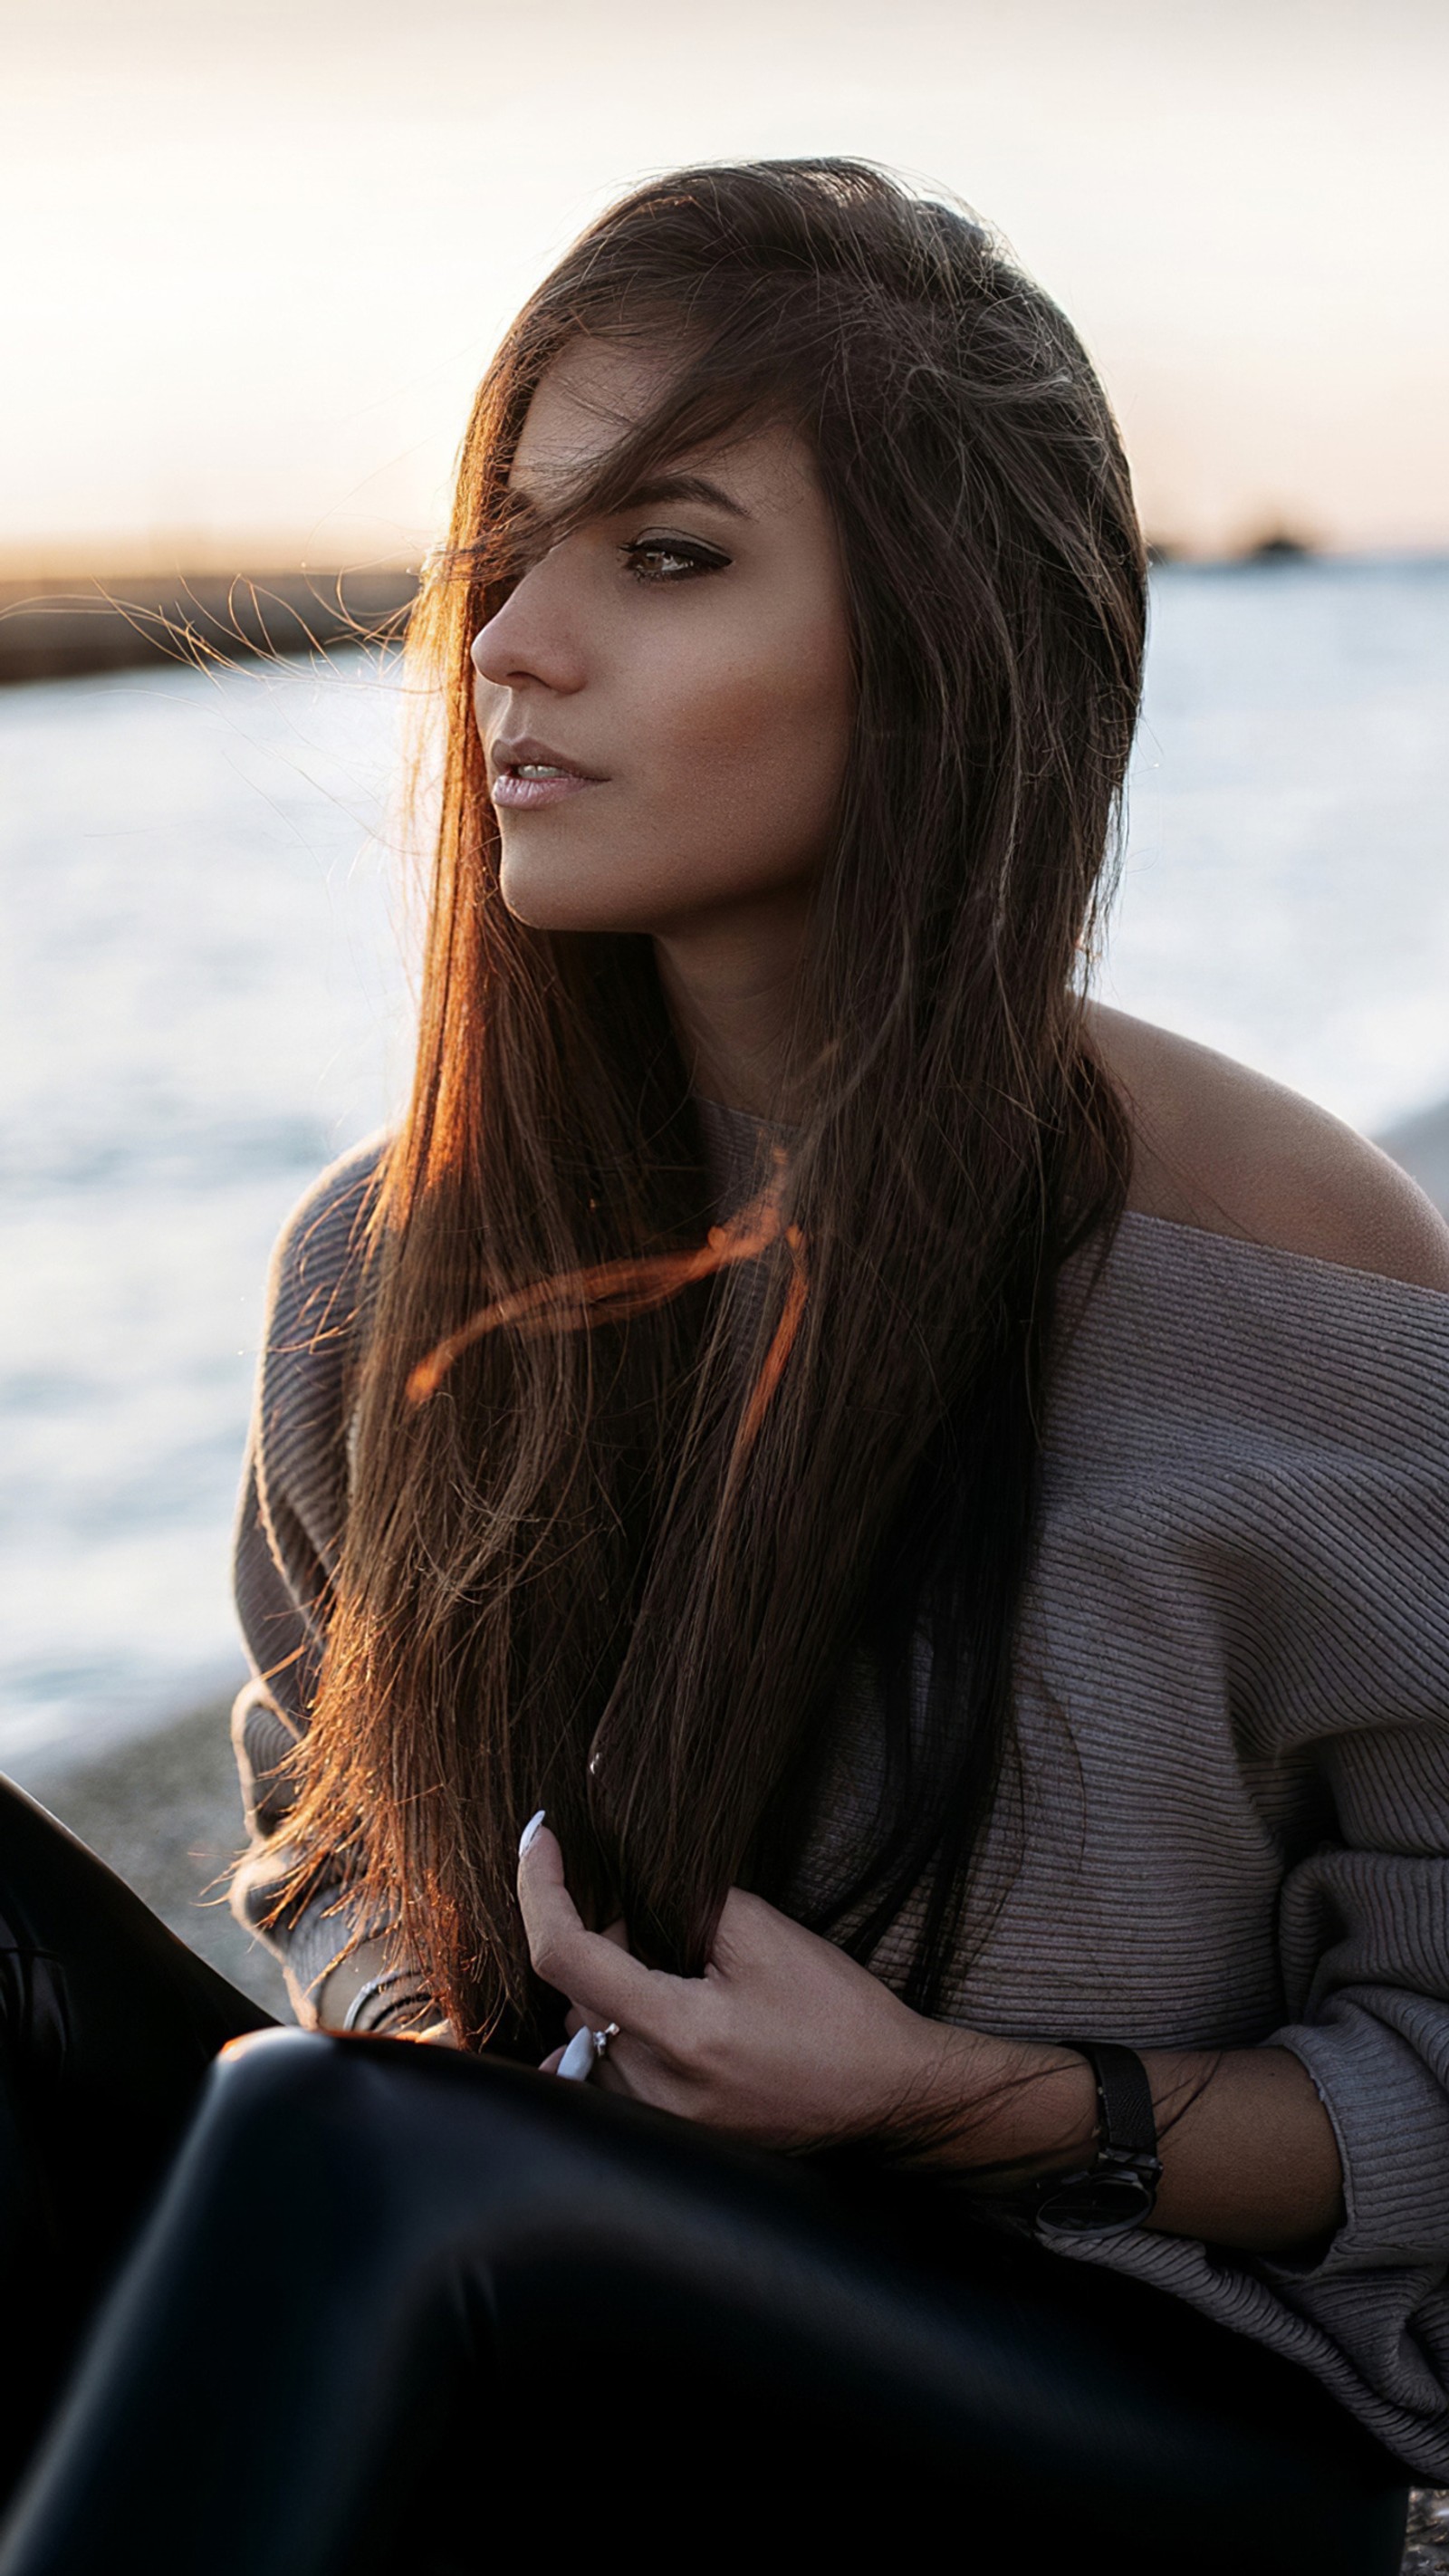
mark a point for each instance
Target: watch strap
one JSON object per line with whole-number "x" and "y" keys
{"x": 1118, "y": 2190}
{"x": 1128, "y": 2122}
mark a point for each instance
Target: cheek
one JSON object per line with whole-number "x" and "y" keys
{"x": 731, "y": 749}
{"x": 744, "y": 751}
{"x": 489, "y": 706}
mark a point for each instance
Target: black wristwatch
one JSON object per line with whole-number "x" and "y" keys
{"x": 1118, "y": 2191}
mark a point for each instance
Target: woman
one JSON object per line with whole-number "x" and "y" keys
{"x": 838, "y": 1540}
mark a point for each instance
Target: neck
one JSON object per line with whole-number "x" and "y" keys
{"x": 730, "y": 985}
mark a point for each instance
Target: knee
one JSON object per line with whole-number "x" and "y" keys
{"x": 288, "y": 2106}
{"x": 384, "y": 2135}
{"x": 306, "y": 2102}
{"x": 281, "y": 2079}
{"x": 371, "y": 2149}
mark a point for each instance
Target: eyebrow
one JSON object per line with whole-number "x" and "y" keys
{"x": 668, "y": 487}
{"x": 682, "y": 487}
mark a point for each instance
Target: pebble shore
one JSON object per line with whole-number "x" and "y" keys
{"x": 165, "y": 1812}
{"x": 1427, "y": 2553}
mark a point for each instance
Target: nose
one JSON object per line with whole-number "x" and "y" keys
{"x": 531, "y": 642}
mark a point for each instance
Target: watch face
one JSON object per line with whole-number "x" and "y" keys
{"x": 1096, "y": 2204}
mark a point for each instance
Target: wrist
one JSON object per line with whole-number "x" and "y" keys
{"x": 1116, "y": 2191}
{"x": 999, "y": 2111}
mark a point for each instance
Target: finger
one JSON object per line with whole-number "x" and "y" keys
{"x": 595, "y": 2065}
{"x": 612, "y": 2079}
{"x": 575, "y": 2019}
{"x": 602, "y": 1980}
{"x": 637, "y": 2074}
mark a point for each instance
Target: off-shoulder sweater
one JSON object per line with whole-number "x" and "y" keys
{"x": 1232, "y": 1707}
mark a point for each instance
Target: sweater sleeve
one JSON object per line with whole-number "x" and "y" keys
{"x": 1363, "y": 1920}
{"x": 1332, "y": 1618}
{"x": 1364, "y": 1938}
{"x": 289, "y": 1528}
{"x": 1364, "y": 1932}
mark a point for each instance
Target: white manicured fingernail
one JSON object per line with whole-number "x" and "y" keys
{"x": 577, "y": 2062}
{"x": 529, "y": 1830}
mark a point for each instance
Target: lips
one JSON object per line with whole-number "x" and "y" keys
{"x": 527, "y": 773}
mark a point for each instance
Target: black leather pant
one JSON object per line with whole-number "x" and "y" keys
{"x": 399, "y": 2310}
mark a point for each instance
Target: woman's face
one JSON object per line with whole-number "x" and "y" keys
{"x": 665, "y": 698}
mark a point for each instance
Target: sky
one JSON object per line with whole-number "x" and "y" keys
{"x": 260, "y": 253}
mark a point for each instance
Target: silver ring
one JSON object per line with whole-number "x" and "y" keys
{"x": 584, "y": 2051}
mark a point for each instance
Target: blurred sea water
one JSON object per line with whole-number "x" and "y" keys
{"x": 202, "y": 1000}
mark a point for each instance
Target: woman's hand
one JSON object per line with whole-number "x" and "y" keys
{"x": 783, "y": 2040}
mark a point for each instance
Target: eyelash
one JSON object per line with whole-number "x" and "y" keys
{"x": 687, "y": 551}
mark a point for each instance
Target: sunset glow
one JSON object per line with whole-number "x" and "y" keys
{"x": 266, "y": 251}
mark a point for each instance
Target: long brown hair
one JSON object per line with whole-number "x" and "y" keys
{"x": 567, "y": 1581}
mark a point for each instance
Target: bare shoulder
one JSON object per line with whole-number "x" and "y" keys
{"x": 1224, "y": 1149}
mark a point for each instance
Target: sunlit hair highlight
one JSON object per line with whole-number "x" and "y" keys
{"x": 608, "y": 1551}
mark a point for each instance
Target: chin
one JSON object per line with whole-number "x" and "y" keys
{"x": 563, "y": 898}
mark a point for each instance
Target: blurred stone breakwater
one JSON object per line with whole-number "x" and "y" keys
{"x": 59, "y": 630}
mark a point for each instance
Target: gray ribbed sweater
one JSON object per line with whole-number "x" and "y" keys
{"x": 1233, "y": 1710}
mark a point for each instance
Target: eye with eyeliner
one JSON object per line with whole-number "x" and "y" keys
{"x": 663, "y": 558}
